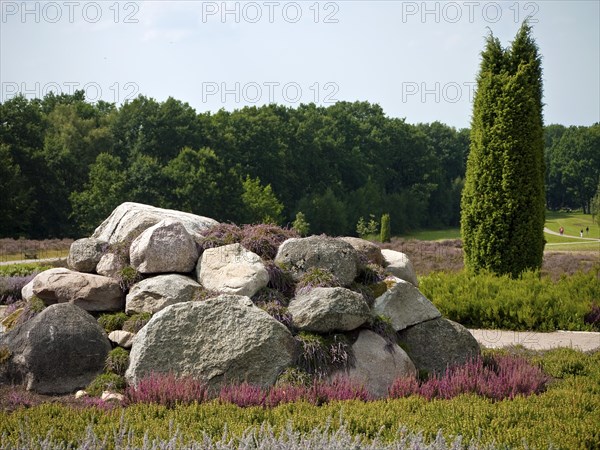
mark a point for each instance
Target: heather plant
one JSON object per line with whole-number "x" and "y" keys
{"x": 592, "y": 317}
{"x": 294, "y": 376}
{"x": 321, "y": 355}
{"x": 113, "y": 321}
{"x": 531, "y": 302}
{"x": 106, "y": 382}
{"x": 32, "y": 308}
{"x": 243, "y": 394}
{"x": 368, "y": 292}
{"x": 497, "y": 378}
{"x": 117, "y": 361}
{"x": 371, "y": 274}
{"x": 280, "y": 279}
{"x": 265, "y": 239}
{"x": 10, "y": 287}
{"x": 279, "y": 312}
{"x": 316, "y": 277}
{"x": 136, "y": 322}
{"x": 382, "y": 325}
{"x": 219, "y": 235}
{"x": 127, "y": 277}
{"x": 168, "y": 390}
{"x": 203, "y": 294}
{"x": 270, "y": 295}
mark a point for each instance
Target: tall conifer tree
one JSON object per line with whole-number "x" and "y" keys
{"x": 503, "y": 202}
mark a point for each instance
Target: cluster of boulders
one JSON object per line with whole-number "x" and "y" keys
{"x": 226, "y": 338}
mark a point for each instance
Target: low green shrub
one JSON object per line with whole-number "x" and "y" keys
{"x": 22, "y": 270}
{"x": 106, "y": 382}
{"x": 112, "y": 322}
{"x": 136, "y": 322}
{"x": 117, "y": 361}
{"x": 528, "y": 303}
{"x": 566, "y": 416}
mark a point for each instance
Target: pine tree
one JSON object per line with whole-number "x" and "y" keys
{"x": 503, "y": 202}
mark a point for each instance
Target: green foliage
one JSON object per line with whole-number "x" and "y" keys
{"x": 106, "y": 382}
{"x": 136, "y": 322}
{"x": 503, "y": 202}
{"x": 300, "y": 224}
{"x": 127, "y": 277}
{"x": 595, "y": 206}
{"x": 565, "y": 416}
{"x": 528, "y": 303}
{"x": 293, "y": 376}
{"x": 364, "y": 228}
{"x": 386, "y": 232}
{"x": 260, "y": 203}
{"x": 316, "y": 277}
{"x": 321, "y": 355}
{"x": 117, "y": 361}
{"x": 22, "y": 270}
{"x": 113, "y": 321}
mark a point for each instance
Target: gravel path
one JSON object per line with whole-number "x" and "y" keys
{"x": 580, "y": 340}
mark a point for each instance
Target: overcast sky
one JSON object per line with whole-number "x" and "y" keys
{"x": 418, "y": 60}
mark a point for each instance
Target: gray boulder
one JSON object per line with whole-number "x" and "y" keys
{"x": 302, "y": 254}
{"x": 60, "y": 350}
{"x": 377, "y": 365}
{"x": 153, "y": 294}
{"x": 221, "y": 340}
{"x": 163, "y": 248}
{"x": 366, "y": 250}
{"x": 110, "y": 265}
{"x": 437, "y": 344}
{"x": 232, "y": 269}
{"x": 128, "y": 220}
{"x": 329, "y": 309}
{"x": 398, "y": 265}
{"x": 404, "y": 305}
{"x": 85, "y": 254}
{"x": 89, "y": 292}
{"x": 27, "y": 291}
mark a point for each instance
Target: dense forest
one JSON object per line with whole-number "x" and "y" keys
{"x": 66, "y": 163}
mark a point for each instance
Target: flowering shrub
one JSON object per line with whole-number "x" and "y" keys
{"x": 265, "y": 239}
{"x": 496, "y": 378}
{"x": 167, "y": 390}
{"x": 316, "y": 277}
{"x": 10, "y": 288}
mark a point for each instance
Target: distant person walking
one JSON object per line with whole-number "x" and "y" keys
{"x": 581, "y": 233}
{"x": 587, "y": 231}
{"x": 561, "y": 230}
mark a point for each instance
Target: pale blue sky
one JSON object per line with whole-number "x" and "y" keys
{"x": 418, "y": 60}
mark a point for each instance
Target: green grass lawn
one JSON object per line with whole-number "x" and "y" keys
{"x": 572, "y": 223}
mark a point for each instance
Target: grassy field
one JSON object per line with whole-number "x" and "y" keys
{"x": 573, "y": 223}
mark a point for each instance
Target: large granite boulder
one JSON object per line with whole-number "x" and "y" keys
{"x": 85, "y": 254}
{"x": 232, "y": 269}
{"x": 378, "y": 364}
{"x": 323, "y": 310}
{"x": 438, "y": 344}
{"x": 90, "y": 292}
{"x": 221, "y": 340}
{"x": 163, "y": 248}
{"x": 60, "y": 350}
{"x": 404, "y": 305}
{"x": 128, "y": 220}
{"x": 367, "y": 251}
{"x": 299, "y": 255}
{"x": 110, "y": 265}
{"x": 153, "y": 294}
{"x": 398, "y": 265}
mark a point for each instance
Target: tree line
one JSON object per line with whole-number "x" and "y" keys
{"x": 65, "y": 163}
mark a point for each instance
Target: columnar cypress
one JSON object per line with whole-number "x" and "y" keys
{"x": 503, "y": 202}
